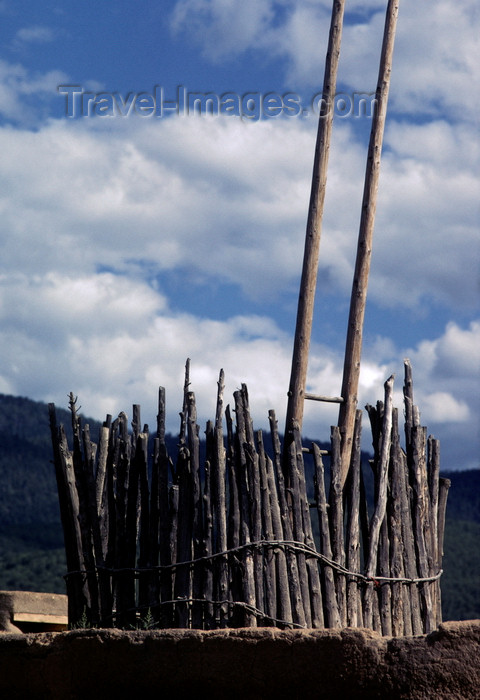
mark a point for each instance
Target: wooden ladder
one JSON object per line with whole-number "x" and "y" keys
{"x": 353, "y": 347}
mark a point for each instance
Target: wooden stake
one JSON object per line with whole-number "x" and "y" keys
{"x": 267, "y": 528}
{"x": 381, "y": 500}
{"x": 303, "y": 330}
{"x": 69, "y": 511}
{"x": 292, "y": 566}
{"x": 220, "y": 499}
{"x": 353, "y": 347}
{"x": 352, "y": 545}
{"x": 331, "y": 607}
{"x": 336, "y": 524}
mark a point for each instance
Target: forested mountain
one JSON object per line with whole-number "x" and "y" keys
{"x": 31, "y": 540}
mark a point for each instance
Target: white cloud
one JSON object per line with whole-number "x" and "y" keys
{"x": 54, "y": 303}
{"x": 452, "y": 361}
{"x": 446, "y": 374}
{"x": 222, "y": 197}
{"x": 22, "y": 92}
{"x": 459, "y": 348}
{"x": 444, "y": 408}
{"x": 197, "y": 193}
{"x": 37, "y": 34}
{"x": 436, "y": 50}
{"x": 223, "y": 27}
{"x": 302, "y": 38}
{"x": 426, "y": 241}
{"x": 446, "y": 391}
{"x": 436, "y": 64}
{"x": 450, "y": 398}
{"x": 113, "y": 341}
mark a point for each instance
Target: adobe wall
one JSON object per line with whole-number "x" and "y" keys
{"x": 246, "y": 663}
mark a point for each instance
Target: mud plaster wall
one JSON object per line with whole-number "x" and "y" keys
{"x": 248, "y": 663}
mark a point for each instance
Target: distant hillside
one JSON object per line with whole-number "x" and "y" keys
{"x": 31, "y": 540}
{"x": 26, "y": 470}
{"x": 29, "y": 491}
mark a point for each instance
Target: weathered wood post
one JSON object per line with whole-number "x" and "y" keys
{"x": 77, "y": 590}
{"x": 306, "y": 299}
{"x": 220, "y": 500}
{"x": 353, "y": 346}
{"x": 381, "y": 501}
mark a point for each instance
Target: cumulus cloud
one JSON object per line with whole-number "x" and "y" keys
{"x": 444, "y": 408}
{"x": 18, "y": 86}
{"x": 428, "y": 214}
{"x": 36, "y": 34}
{"x": 446, "y": 374}
{"x": 434, "y": 72}
{"x": 223, "y": 197}
{"x": 194, "y": 193}
{"x": 220, "y": 199}
{"x": 223, "y": 28}
{"x": 452, "y": 361}
{"x": 437, "y": 53}
{"x": 113, "y": 341}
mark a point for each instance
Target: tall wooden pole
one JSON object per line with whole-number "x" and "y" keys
{"x": 298, "y": 377}
{"x": 353, "y": 347}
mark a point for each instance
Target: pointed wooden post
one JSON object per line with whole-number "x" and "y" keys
{"x": 298, "y": 377}
{"x": 353, "y": 347}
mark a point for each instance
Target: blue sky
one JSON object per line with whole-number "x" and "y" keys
{"x": 130, "y": 243}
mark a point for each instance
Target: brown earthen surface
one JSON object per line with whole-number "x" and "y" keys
{"x": 247, "y": 663}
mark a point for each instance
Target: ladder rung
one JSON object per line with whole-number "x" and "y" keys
{"x": 329, "y": 399}
{"x": 308, "y": 450}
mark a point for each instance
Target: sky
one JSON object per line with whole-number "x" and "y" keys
{"x": 140, "y": 228}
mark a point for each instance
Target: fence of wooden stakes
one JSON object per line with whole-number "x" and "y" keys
{"x": 246, "y": 535}
{"x": 239, "y": 538}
